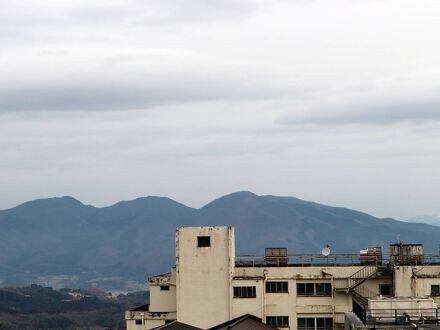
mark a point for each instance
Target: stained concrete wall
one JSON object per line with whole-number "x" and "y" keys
{"x": 204, "y": 276}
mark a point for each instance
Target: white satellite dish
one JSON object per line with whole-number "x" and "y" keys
{"x": 326, "y": 251}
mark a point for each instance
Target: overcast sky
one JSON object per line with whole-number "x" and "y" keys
{"x": 332, "y": 101}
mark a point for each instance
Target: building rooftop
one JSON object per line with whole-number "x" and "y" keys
{"x": 244, "y": 322}
{"x": 143, "y": 308}
{"x": 175, "y": 325}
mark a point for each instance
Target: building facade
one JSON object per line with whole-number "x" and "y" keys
{"x": 210, "y": 285}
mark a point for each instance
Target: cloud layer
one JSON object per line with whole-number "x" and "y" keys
{"x": 113, "y": 99}
{"x": 387, "y": 112}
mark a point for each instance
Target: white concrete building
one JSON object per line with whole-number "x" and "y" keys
{"x": 210, "y": 285}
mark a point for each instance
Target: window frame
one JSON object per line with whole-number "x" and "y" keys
{"x": 203, "y": 241}
{"x": 280, "y": 321}
{"x": 384, "y": 285}
{"x": 164, "y": 288}
{"x": 277, "y": 287}
{"x": 308, "y": 321}
{"x": 437, "y": 294}
{"x": 310, "y": 289}
{"x": 245, "y": 292}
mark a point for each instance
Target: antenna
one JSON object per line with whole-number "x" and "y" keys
{"x": 326, "y": 251}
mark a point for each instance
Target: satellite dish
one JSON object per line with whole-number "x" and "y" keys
{"x": 326, "y": 251}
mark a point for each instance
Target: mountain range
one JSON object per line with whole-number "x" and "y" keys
{"x": 62, "y": 242}
{"x": 427, "y": 219}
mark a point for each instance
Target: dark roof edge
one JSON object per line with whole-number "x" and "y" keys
{"x": 236, "y": 321}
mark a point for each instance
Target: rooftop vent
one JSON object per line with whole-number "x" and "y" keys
{"x": 276, "y": 256}
{"x": 406, "y": 254}
{"x": 371, "y": 256}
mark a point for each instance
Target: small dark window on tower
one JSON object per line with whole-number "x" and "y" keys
{"x": 138, "y": 322}
{"x": 164, "y": 288}
{"x": 435, "y": 290}
{"x": 203, "y": 241}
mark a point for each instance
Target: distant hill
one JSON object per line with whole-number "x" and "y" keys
{"x": 37, "y": 307}
{"x": 62, "y": 242}
{"x": 427, "y": 219}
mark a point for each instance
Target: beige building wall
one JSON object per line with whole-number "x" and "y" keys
{"x": 150, "y": 324}
{"x": 201, "y": 286}
{"x": 204, "y": 275}
{"x": 403, "y": 281}
{"x": 290, "y": 304}
{"x": 254, "y": 306}
{"x": 145, "y": 320}
{"x": 163, "y": 300}
{"x": 425, "y": 276}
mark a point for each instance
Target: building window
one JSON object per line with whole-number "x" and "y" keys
{"x": 323, "y": 289}
{"x": 435, "y": 290}
{"x": 385, "y": 289}
{"x": 203, "y": 241}
{"x": 244, "y": 292}
{"x": 274, "y": 287}
{"x": 306, "y": 323}
{"x": 314, "y": 289}
{"x": 315, "y": 323}
{"x": 278, "y": 321}
{"x": 139, "y": 322}
{"x": 164, "y": 288}
{"x": 324, "y": 323}
{"x": 305, "y": 289}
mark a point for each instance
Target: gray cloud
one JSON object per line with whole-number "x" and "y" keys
{"x": 418, "y": 111}
{"x": 52, "y": 21}
{"x": 125, "y": 95}
{"x": 238, "y": 95}
{"x": 165, "y": 12}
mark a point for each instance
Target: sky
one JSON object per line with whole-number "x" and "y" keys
{"x": 336, "y": 102}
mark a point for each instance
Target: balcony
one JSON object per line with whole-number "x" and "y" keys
{"x": 144, "y": 313}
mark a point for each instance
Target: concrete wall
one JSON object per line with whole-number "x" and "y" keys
{"x": 290, "y": 304}
{"x": 254, "y": 306}
{"x": 204, "y": 276}
{"x": 425, "y": 277}
{"x": 163, "y": 301}
{"x": 403, "y": 283}
{"x": 415, "y": 281}
{"x": 150, "y": 324}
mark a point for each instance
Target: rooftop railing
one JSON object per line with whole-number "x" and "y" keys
{"x": 396, "y": 316}
{"x": 320, "y": 260}
{"x": 299, "y": 259}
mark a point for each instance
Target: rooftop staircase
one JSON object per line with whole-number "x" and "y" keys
{"x": 356, "y": 279}
{"x": 353, "y": 284}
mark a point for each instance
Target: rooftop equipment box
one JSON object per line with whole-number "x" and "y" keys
{"x": 406, "y": 254}
{"x": 276, "y": 256}
{"x": 371, "y": 256}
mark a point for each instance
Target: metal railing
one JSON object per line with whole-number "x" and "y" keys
{"x": 396, "y": 316}
{"x": 318, "y": 260}
{"x": 361, "y": 276}
{"x": 299, "y": 260}
{"x": 360, "y": 311}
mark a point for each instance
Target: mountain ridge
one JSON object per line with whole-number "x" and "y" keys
{"x": 63, "y": 242}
